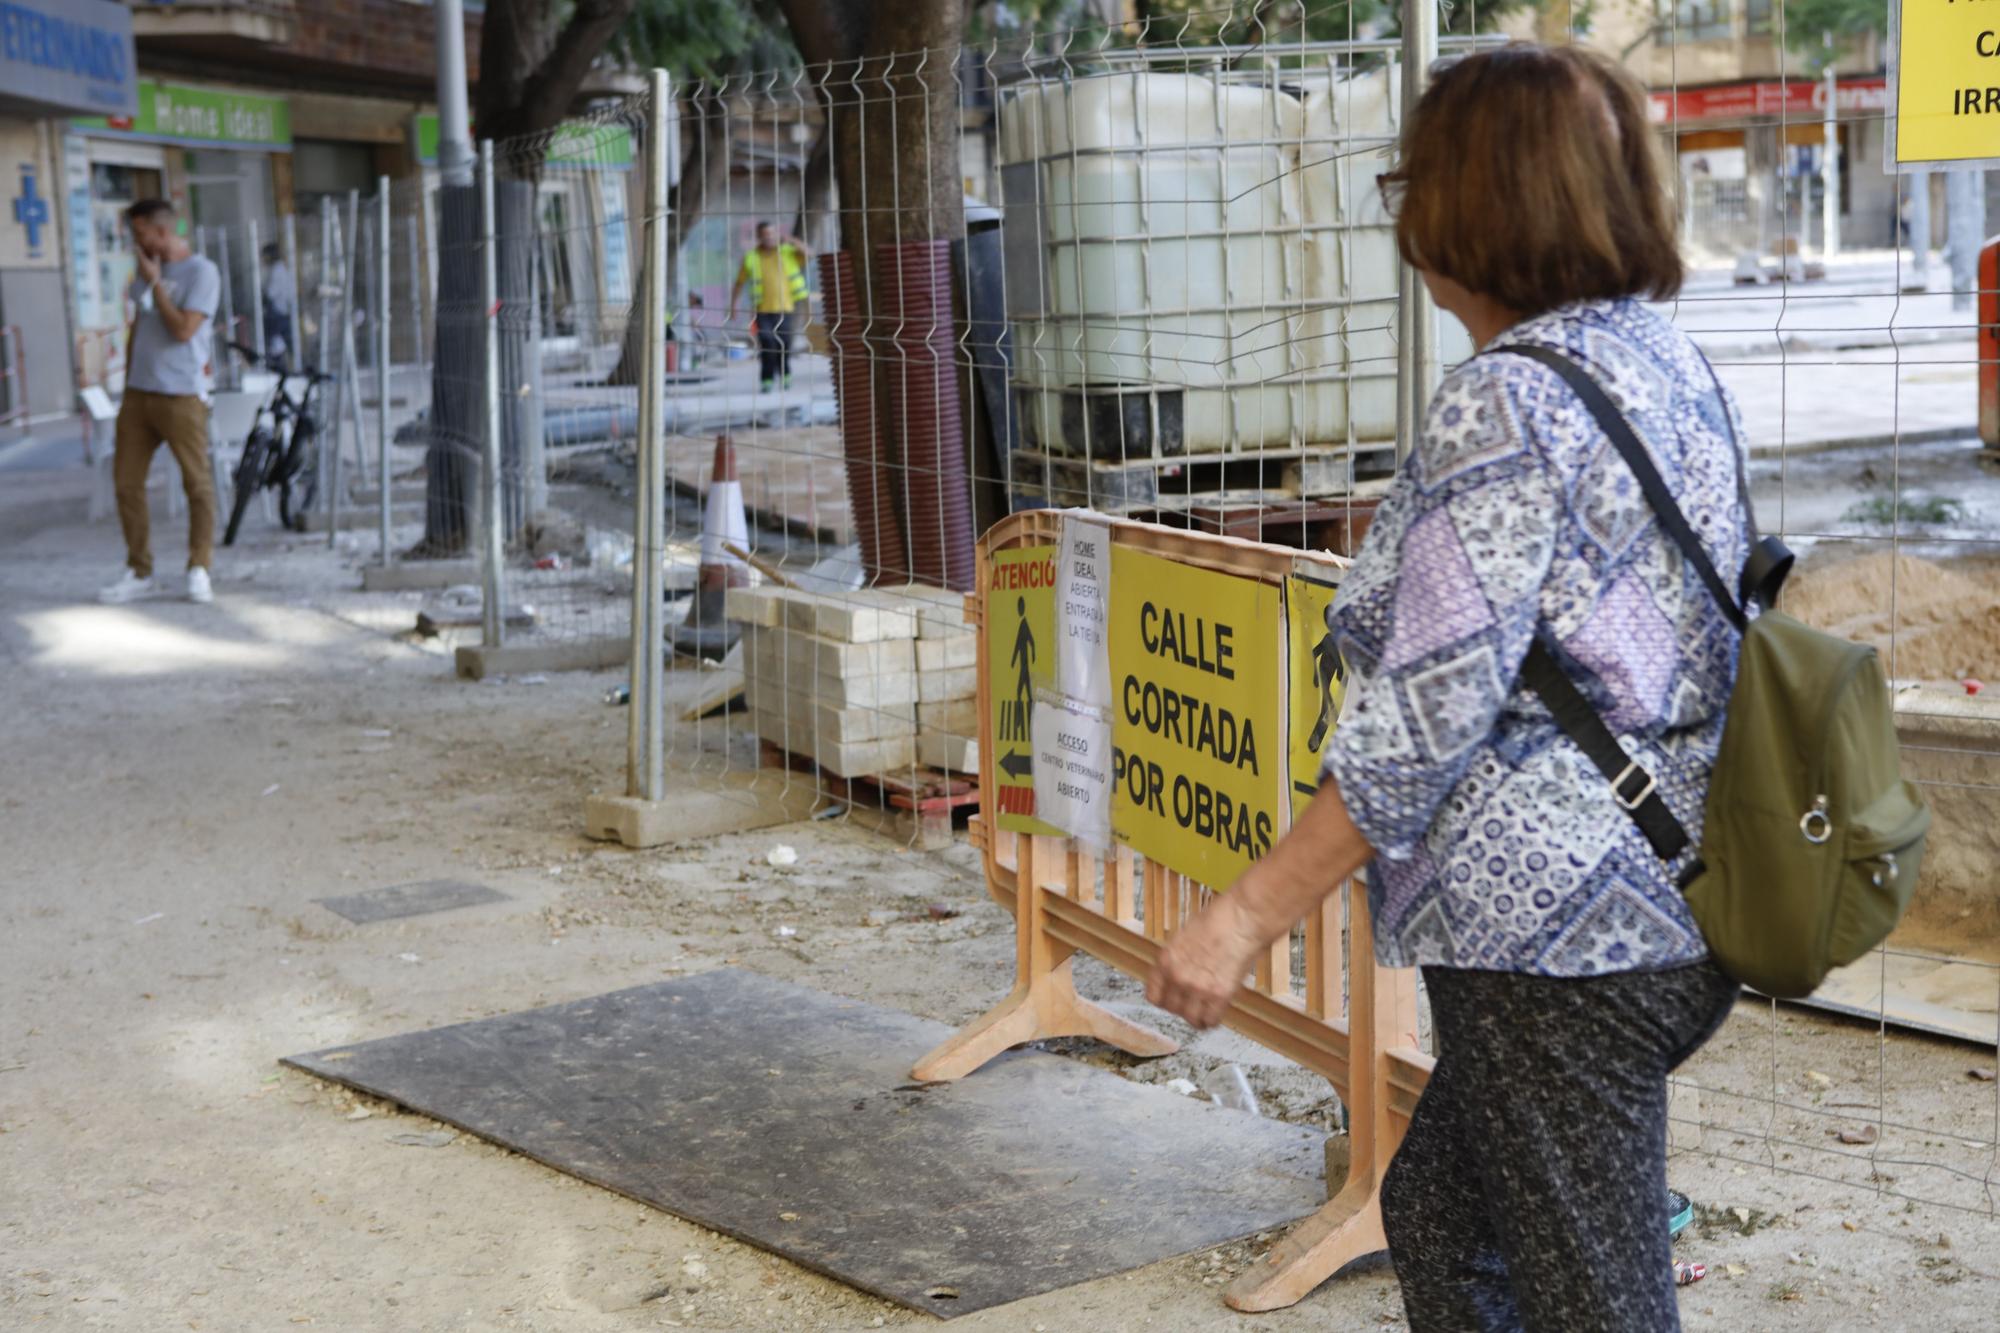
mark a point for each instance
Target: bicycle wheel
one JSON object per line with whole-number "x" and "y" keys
{"x": 249, "y": 479}
{"x": 300, "y": 480}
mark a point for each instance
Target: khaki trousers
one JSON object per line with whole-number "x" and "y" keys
{"x": 145, "y": 422}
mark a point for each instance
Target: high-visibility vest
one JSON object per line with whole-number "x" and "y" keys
{"x": 795, "y": 274}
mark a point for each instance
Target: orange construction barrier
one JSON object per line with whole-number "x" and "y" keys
{"x": 1121, "y": 905}
{"x": 1989, "y": 343}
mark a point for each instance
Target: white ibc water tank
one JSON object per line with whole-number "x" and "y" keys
{"x": 1198, "y": 265}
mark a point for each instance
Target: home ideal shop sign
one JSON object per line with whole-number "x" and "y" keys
{"x": 1948, "y": 115}
{"x": 201, "y": 117}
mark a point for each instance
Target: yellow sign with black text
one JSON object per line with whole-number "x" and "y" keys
{"x": 1020, "y": 659}
{"x": 1318, "y": 682}
{"x": 1946, "y": 82}
{"x": 1198, "y": 748}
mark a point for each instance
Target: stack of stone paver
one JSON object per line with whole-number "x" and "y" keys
{"x": 865, "y": 682}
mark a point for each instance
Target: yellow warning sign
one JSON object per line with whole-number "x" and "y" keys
{"x": 1198, "y": 749}
{"x": 1318, "y": 681}
{"x": 1945, "y": 81}
{"x": 1020, "y": 658}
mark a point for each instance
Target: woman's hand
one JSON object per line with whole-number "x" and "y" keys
{"x": 1204, "y": 963}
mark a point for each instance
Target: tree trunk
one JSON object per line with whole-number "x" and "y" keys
{"x": 457, "y": 419}
{"x": 455, "y": 458}
{"x": 529, "y": 78}
{"x": 891, "y": 96}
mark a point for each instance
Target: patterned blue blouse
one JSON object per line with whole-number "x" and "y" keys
{"x": 1498, "y": 844}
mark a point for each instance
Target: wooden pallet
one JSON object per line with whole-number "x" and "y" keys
{"x": 931, "y": 798}
{"x": 1063, "y": 482}
{"x": 1335, "y": 525}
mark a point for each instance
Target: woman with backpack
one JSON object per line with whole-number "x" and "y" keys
{"x": 1514, "y": 590}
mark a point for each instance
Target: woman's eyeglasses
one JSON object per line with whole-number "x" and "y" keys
{"x": 1389, "y": 185}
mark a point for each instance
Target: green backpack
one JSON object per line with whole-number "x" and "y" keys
{"x": 1811, "y": 838}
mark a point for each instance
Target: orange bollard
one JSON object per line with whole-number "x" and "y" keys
{"x": 1989, "y": 343}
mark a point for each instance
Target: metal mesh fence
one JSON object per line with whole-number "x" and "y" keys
{"x": 1172, "y": 293}
{"x": 1144, "y": 270}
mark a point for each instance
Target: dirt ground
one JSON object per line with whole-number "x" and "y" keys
{"x": 183, "y": 781}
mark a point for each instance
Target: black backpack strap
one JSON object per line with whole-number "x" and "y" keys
{"x": 1626, "y": 442}
{"x": 1631, "y": 786}
{"x": 1770, "y": 561}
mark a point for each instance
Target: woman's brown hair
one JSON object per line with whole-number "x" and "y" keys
{"x": 1529, "y": 175}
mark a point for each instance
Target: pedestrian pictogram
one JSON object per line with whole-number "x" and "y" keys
{"x": 1020, "y": 634}
{"x": 1318, "y": 679}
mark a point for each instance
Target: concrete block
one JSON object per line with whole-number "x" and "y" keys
{"x": 939, "y": 686}
{"x": 811, "y": 655}
{"x": 682, "y": 817}
{"x": 801, "y": 716}
{"x": 956, "y": 754}
{"x": 885, "y": 691}
{"x": 850, "y": 759}
{"x": 419, "y": 576}
{"x": 940, "y": 611}
{"x": 768, "y": 675}
{"x": 354, "y": 518}
{"x": 848, "y": 617}
{"x": 476, "y": 662}
{"x": 754, "y": 606}
{"x": 942, "y": 653}
{"x": 959, "y": 717}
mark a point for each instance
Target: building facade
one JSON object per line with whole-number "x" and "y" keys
{"x": 1742, "y": 116}
{"x": 58, "y": 59}
{"x": 243, "y": 113}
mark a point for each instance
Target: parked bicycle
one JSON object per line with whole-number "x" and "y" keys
{"x": 282, "y": 450}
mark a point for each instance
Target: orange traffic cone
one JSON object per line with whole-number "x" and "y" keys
{"x": 706, "y": 632}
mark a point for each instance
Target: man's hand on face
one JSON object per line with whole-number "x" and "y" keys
{"x": 149, "y": 267}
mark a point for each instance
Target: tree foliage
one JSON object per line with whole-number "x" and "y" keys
{"x": 1808, "y": 21}
{"x": 1230, "y": 22}
{"x": 704, "y": 41}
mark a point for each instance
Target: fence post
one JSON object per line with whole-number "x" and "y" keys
{"x": 1416, "y": 320}
{"x": 382, "y": 354}
{"x": 352, "y": 246}
{"x": 493, "y": 615}
{"x": 329, "y": 460}
{"x": 295, "y": 352}
{"x": 419, "y": 292}
{"x": 227, "y": 361}
{"x": 257, "y": 290}
{"x": 646, "y": 757}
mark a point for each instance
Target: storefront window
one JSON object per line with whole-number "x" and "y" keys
{"x": 113, "y": 188}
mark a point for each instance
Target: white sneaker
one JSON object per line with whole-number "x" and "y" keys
{"x": 198, "y": 589}
{"x": 129, "y": 588}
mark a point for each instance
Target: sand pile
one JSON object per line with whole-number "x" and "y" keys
{"x": 1932, "y": 622}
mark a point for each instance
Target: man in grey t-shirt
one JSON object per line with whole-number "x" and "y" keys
{"x": 167, "y": 354}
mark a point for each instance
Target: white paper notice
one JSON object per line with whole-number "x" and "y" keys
{"x": 1073, "y": 770}
{"x": 1083, "y": 613}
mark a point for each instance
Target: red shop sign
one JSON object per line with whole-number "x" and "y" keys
{"x": 1801, "y": 99}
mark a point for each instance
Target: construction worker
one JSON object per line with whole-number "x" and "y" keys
{"x": 776, "y": 272}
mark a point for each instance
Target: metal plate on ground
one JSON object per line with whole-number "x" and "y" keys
{"x": 398, "y": 900}
{"x": 785, "y": 1117}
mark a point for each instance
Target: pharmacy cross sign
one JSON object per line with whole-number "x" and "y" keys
{"x": 31, "y": 210}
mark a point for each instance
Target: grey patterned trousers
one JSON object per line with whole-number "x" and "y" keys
{"x": 1530, "y": 1192}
